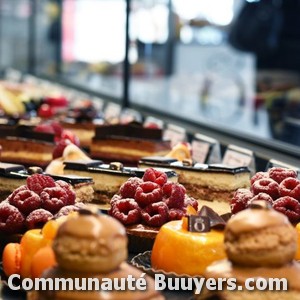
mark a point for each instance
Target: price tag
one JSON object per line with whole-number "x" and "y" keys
{"x": 175, "y": 134}
{"x": 112, "y": 112}
{"x": 239, "y": 157}
{"x": 153, "y": 122}
{"x": 129, "y": 115}
{"x": 198, "y": 224}
{"x": 13, "y": 75}
{"x": 98, "y": 102}
{"x": 31, "y": 79}
{"x": 205, "y": 149}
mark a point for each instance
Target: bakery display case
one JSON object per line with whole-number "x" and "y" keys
{"x": 135, "y": 140}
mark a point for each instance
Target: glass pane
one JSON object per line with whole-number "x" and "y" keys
{"x": 14, "y": 33}
{"x": 93, "y": 44}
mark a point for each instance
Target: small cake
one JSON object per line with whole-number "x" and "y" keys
{"x": 187, "y": 249}
{"x": 212, "y": 185}
{"x": 20, "y": 144}
{"x": 260, "y": 243}
{"x": 278, "y": 186}
{"x": 94, "y": 246}
{"x": 144, "y": 204}
{"x": 127, "y": 142}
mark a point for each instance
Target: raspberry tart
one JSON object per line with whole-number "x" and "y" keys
{"x": 144, "y": 204}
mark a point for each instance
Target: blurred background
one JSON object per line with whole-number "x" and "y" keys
{"x": 181, "y": 58}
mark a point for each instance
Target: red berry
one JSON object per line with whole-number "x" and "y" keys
{"x": 64, "y": 211}
{"x": 175, "y": 214}
{"x": 45, "y": 111}
{"x": 279, "y": 174}
{"x": 290, "y": 187}
{"x": 190, "y": 201}
{"x": 59, "y": 148}
{"x": 127, "y": 211}
{"x": 240, "y": 200}
{"x": 257, "y": 176}
{"x": 155, "y": 176}
{"x": 266, "y": 185}
{"x": 69, "y": 135}
{"x": 128, "y": 189}
{"x": 147, "y": 193}
{"x": 37, "y": 182}
{"x": 176, "y": 199}
{"x": 115, "y": 199}
{"x": 54, "y": 198}
{"x": 38, "y": 218}
{"x": 16, "y": 191}
{"x": 58, "y": 129}
{"x": 11, "y": 219}
{"x": 71, "y": 196}
{"x": 288, "y": 206}
{"x": 155, "y": 214}
{"x": 26, "y": 201}
{"x": 261, "y": 196}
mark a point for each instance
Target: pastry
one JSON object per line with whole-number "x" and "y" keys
{"x": 127, "y": 142}
{"x": 212, "y": 185}
{"x": 144, "y": 204}
{"x": 260, "y": 243}
{"x": 278, "y": 186}
{"x": 197, "y": 249}
{"x": 93, "y": 246}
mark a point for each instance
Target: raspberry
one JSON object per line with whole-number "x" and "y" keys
{"x": 176, "y": 199}
{"x": 37, "y": 182}
{"x": 175, "y": 214}
{"x": 257, "y": 176}
{"x": 115, "y": 199}
{"x": 155, "y": 214}
{"x": 155, "y": 176}
{"x": 71, "y": 196}
{"x": 147, "y": 193}
{"x": 168, "y": 187}
{"x": 59, "y": 148}
{"x": 190, "y": 201}
{"x": 54, "y": 199}
{"x": 64, "y": 211}
{"x": 290, "y": 187}
{"x": 16, "y": 191}
{"x": 11, "y": 219}
{"x": 288, "y": 206}
{"x": 26, "y": 201}
{"x": 279, "y": 174}
{"x": 261, "y": 196}
{"x": 266, "y": 185}
{"x": 38, "y": 218}
{"x": 127, "y": 211}
{"x": 240, "y": 200}
{"x": 128, "y": 189}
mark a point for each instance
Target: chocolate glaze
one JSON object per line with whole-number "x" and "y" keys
{"x": 73, "y": 179}
{"x": 257, "y": 219}
{"x": 81, "y": 165}
{"x": 132, "y": 130}
{"x": 25, "y": 132}
{"x": 225, "y": 269}
{"x": 215, "y": 220}
{"x": 213, "y": 168}
{"x": 6, "y": 169}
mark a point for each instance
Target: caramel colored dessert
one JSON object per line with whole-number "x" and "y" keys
{"x": 127, "y": 143}
{"x": 94, "y": 246}
{"x": 260, "y": 243}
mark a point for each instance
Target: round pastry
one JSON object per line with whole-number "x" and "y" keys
{"x": 178, "y": 250}
{"x": 260, "y": 244}
{"x": 93, "y": 246}
{"x": 262, "y": 238}
{"x": 91, "y": 243}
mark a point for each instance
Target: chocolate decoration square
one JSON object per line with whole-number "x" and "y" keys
{"x": 198, "y": 224}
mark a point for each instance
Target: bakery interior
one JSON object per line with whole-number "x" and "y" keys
{"x": 157, "y": 113}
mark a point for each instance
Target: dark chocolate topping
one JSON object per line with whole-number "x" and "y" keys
{"x": 82, "y": 165}
{"x": 72, "y": 179}
{"x": 215, "y": 220}
{"x": 131, "y": 130}
{"x": 12, "y": 170}
{"x": 157, "y": 159}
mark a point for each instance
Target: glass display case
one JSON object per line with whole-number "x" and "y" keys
{"x": 168, "y": 57}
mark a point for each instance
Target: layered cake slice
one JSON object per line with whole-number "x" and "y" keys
{"x": 107, "y": 177}
{"x": 214, "y": 184}
{"x": 127, "y": 143}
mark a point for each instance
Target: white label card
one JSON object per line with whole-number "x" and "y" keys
{"x": 13, "y": 75}
{"x": 236, "y": 159}
{"x": 200, "y": 151}
{"x": 112, "y": 110}
{"x": 175, "y": 134}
